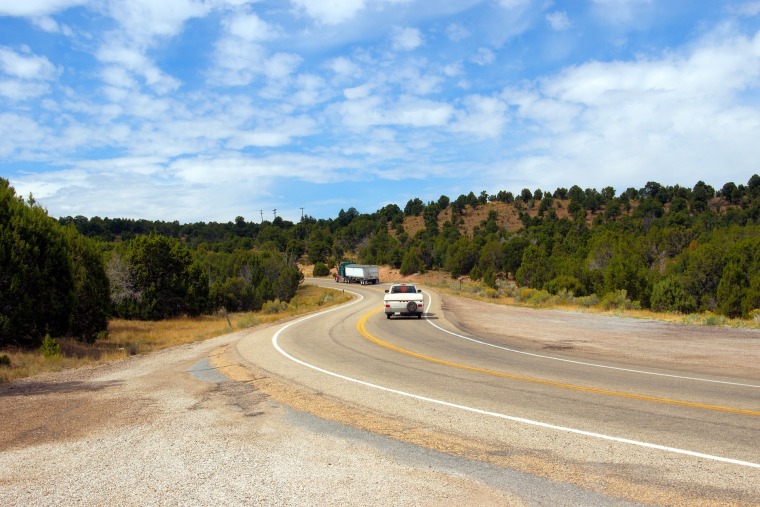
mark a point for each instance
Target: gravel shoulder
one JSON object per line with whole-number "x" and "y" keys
{"x": 167, "y": 429}
{"x": 703, "y": 350}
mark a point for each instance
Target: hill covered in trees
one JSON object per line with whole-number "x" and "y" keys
{"x": 667, "y": 248}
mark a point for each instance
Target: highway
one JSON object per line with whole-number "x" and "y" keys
{"x": 647, "y": 434}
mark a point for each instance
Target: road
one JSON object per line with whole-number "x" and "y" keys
{"x": 475, "y": 404}
{"x": 647, "y": 434}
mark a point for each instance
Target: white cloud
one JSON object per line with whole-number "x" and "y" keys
{"x": 680, "y": 115}
{"x": 483, "y": 56}
{"x": 330, "y": 12}
{"x": 142, "y": 20}
{"x": 749, "y": 9}
{"x": 406, "y": 39}
{"x": 456, "y": 32}
{"x": 240, "y": 56}
{"x": 249, "y": 27}
{"x": 36, "y": 8}
{"x": 48, "y": 24}
{"x": 344, "y": 67}
{"x": 558, "y": 20}
{"x": 481, "y": 116}
{"x": 135, "y": 61}
{"x": 420, "y": 113}
{"x": 358, "y": 92}
{"x": 17, "y": 90}
{"x": 25, "y": 66}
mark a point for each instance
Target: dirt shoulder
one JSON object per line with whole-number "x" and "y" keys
{"x": 702, "y": 350}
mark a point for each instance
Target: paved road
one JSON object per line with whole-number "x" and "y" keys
{"x": 642, "y": 434}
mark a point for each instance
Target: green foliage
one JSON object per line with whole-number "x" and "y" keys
{"x": 51, "y": 279}
{"x": 275, "y": 306}
{"x": 670, "y": 295}
{"x": 320, "y": 269}
{"x": 412, "y": 262}
{"x": 567, "y": 283}
{"x": 5, "y": 360}
{"x": 618, "y": 300}
{"x": 667, "y": 247}
{"x": 50, "y": 347}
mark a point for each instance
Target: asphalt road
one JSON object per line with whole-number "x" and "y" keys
{"x": 643, "y": 434}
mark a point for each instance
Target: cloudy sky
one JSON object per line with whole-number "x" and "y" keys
{"x": 204, "y": 110}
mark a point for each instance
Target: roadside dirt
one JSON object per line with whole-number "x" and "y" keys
{"x": 701, "y": 350}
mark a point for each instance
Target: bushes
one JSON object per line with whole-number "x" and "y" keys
{"x": 320, "y": 269}
{"x": 50, "y": 347}
{"x": 669, "y": 295}
{"x": 52, "y": 280}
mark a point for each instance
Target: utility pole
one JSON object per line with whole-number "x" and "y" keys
{"x": 301, "y": 214}
{"x": 275, "y": 212}
{"x": 262, "y": 216}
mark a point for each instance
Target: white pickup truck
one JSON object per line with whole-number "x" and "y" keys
{"x": 403, "y": 299}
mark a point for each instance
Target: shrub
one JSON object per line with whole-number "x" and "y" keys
{"x": 320, "y": 269}
{"x": 566, "y": 283}
{"x": 588, "y": 301}
{"x": 489, "y": 279}
{"x": 565, "y": 296}
{"x": 5, "y": 360}
{"x": 490, "y": 293}
{"x": 755, "y": 315}
{"x": 275, "y": 306}
{"x": 507, "y": 288}
{"x": 50, "y": 347}
{"x": 525, "y": 293}
{"x": 669, "y": 295}
{"x": 618, "y": 300}
{"x": 540, "y": 297}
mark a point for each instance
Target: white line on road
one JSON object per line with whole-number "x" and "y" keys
{"x": 522, "y": 420}
{"x": 541, "y": 356}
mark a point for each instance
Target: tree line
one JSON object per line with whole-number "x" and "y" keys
{"x": 668, "y": 248}
{"x": 57, "y": 281}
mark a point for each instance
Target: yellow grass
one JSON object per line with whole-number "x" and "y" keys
{"x": 131, "y": 337}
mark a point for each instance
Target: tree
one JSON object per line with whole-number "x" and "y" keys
{"x": 414, "y": 207}
{"x": 412, "y": 262}
{"x": 91, "y": 307}
{"x": 159, "y": 267}
{"x": 670, "y": 295}
{"x": 51, "y": 278}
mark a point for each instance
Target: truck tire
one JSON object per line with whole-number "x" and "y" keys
{"x": 419, "y": 315}
{"x": 411, "y": 306}
{"x": 388, "y": 315}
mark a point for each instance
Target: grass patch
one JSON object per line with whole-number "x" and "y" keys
{"x": 131, "y": 337}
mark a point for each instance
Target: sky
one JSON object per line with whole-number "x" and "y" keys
{"x": 206, "y": 110}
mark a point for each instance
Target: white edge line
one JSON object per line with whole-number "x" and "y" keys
{"x": 629, "y": 370}
{"x": 522, "y": 420}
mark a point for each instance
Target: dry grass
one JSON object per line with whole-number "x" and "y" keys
{"x": 131, "y": 337}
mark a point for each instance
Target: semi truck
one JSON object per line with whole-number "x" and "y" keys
{"x": 365, "y": 274}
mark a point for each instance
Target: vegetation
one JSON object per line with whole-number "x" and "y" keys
{"x": 665, "y": 248}
{"x": 131, "y": 337}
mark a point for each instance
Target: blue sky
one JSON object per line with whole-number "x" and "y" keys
{"x": 205, "y": 110}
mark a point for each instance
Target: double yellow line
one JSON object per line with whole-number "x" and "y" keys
{"x": 361, "y": 326}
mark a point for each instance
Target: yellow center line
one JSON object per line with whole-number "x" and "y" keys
{"x": 362, "y": 328}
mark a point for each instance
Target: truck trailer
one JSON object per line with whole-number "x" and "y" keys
{"x": 365, "y": 274}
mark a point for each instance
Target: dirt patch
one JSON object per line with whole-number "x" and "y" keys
{"x": 636, "y": 342}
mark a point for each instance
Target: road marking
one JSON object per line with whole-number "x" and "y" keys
{"x": 361, "y": 327}
{"x": 521, "y": 420}
{"x": 541, "y": 356}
